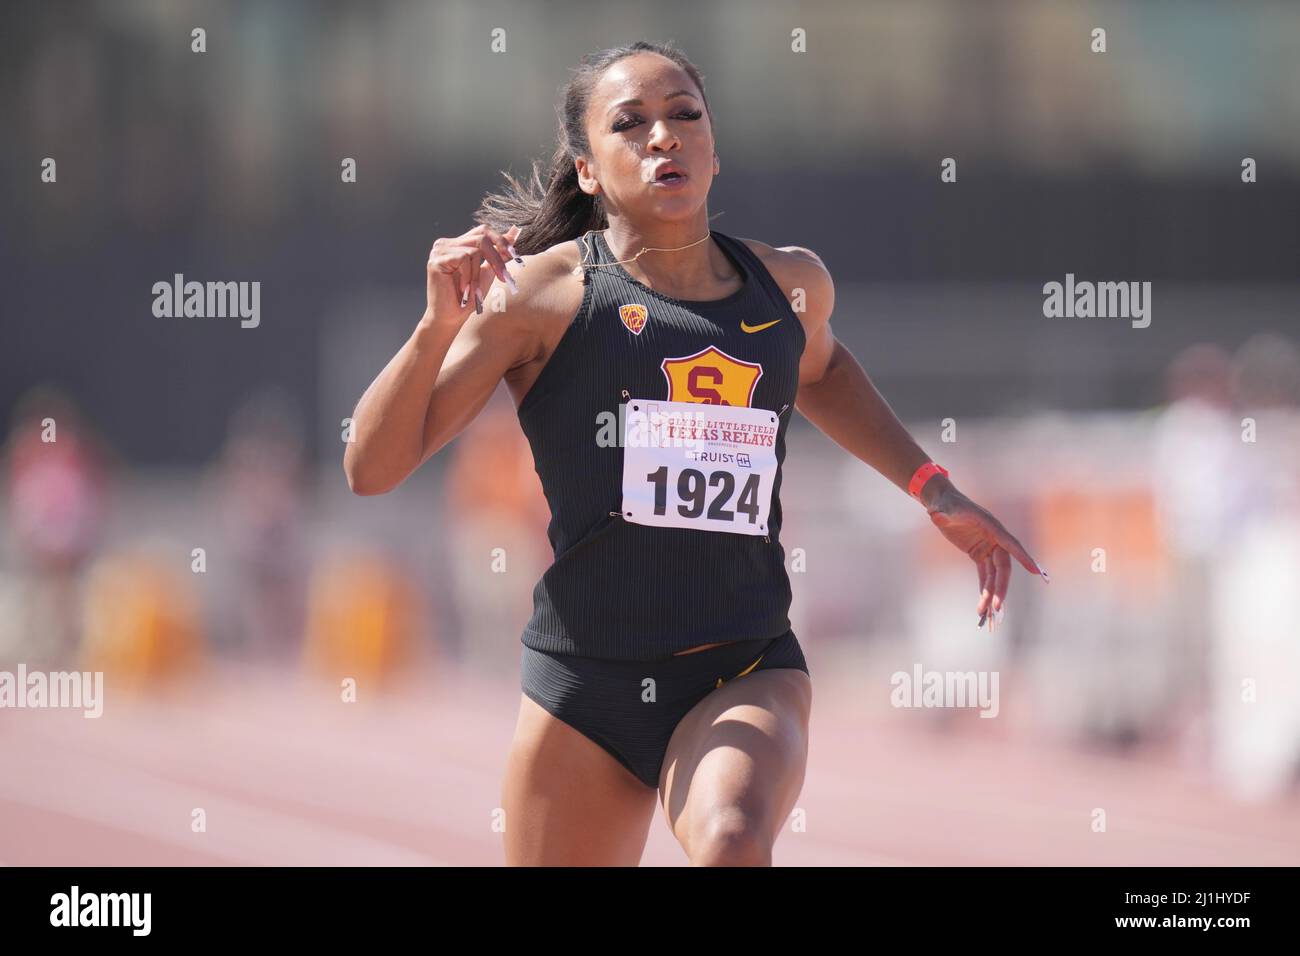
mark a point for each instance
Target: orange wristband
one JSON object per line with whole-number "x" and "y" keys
{"x": 922, "y": 475}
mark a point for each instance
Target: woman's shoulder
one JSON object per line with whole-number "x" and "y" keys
{"x": 547, "y": 281}
{"x": 554, "y": 262}
{"x": 794, "y": 267}
{"x": 534, "y": 316}
{"x": 786, "y": 257}
{"x": 558, "y": 256}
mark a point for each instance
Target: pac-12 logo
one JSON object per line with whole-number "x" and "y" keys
{"x": 633, "y": 317}
{"x": 711, "y": 377}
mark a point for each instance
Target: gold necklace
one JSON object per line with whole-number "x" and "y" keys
{"x": 603, "y": 265}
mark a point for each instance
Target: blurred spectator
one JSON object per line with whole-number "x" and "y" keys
{"x": 56, "y": 502}
{"x": 1196, "y": 478}
{"x": 1255, "y": 637}
{"x": 261, "y": 576}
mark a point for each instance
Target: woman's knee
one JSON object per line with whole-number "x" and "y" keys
{"x": 731, "y": 836}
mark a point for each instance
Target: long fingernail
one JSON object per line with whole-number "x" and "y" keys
{"x": 1000, "y": 613}
{"x": 510, "y": 281}
{"x": 478, "y": 302}
{"x": 464, "y": 298}
{"x": 1043, "y": 572}
{"x": 515, "y": 254}
{"x": 982, "y": 617}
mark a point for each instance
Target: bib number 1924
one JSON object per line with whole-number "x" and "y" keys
{"x": 703, "y": 467}
{"x": 692, "y": 491}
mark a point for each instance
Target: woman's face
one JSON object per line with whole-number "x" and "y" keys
{"x": 632, "y": 142}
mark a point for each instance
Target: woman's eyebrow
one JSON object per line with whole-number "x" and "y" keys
{"x": 636, "y": 102}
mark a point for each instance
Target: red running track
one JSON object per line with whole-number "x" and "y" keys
{"x": 287, "y": 774}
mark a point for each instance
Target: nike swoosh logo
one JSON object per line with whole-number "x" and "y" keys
{"x": 758, "y": 328}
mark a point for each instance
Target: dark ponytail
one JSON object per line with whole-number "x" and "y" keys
{"x": 549, "y": 206}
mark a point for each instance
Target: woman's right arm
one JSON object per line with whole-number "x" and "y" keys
{"x": 447, "y": 370}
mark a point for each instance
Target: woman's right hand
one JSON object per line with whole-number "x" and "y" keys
{"x": 456, "y": 281}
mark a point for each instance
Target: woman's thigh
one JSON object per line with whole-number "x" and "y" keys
{"x": 567, "y": 801}
{"x": 736, "y": 763}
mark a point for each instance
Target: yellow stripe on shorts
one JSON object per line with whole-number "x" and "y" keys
{"x": 742, "y": 673}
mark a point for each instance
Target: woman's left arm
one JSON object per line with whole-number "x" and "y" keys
{"x": 836, "y": 395}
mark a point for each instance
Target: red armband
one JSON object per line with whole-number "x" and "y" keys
{"x": 922, "y": 475}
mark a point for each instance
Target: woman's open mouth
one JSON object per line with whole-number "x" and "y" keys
{"x": 670, "y": 180}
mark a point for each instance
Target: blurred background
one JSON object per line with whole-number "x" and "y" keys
{"x": 174, "y": 513}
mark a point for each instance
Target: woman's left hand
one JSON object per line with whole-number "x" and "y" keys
{"x": 980, "y": 536}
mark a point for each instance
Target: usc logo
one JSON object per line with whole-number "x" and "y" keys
{"x": 711, "y": 377}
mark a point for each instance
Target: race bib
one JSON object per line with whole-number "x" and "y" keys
{"x": 690, "y": 465}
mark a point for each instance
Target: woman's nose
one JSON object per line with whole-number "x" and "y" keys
{"x": 662, "y": 136}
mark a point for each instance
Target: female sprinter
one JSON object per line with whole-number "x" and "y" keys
{"x": 659, "y": 655}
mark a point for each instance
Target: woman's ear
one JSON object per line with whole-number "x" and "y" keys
{"x": 586, "y": 181}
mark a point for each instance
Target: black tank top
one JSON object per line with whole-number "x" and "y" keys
{"x": 626, "y": 591}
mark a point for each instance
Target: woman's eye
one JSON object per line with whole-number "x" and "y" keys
{"x": 627, "y": 122}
